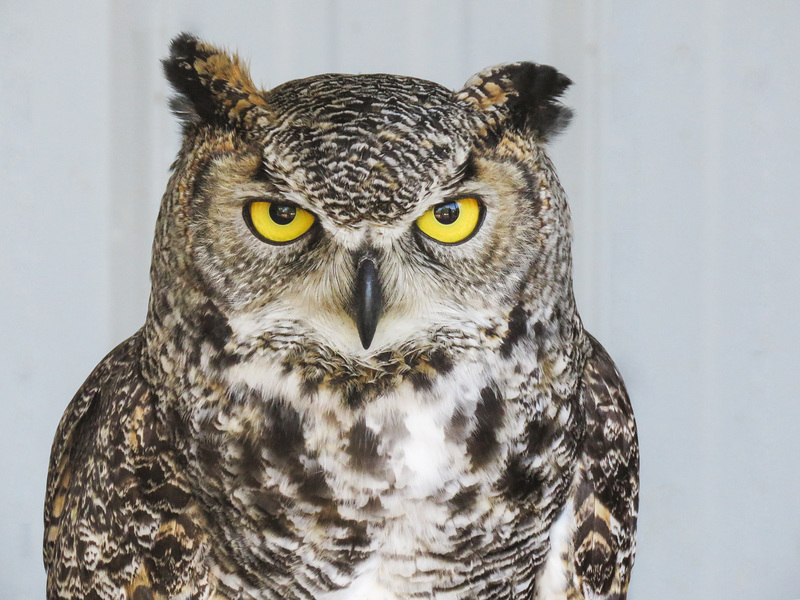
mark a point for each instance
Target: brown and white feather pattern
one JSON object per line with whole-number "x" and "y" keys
{"x": 245, "y": 445}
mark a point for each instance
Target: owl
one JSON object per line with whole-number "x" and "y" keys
{"x": 362, "y": 375}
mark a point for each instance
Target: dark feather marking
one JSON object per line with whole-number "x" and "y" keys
{"x": 353, "y": 396}
{"x": 464, "y": 499}
{"x": 271, "y": 507}
{"x": 441, "y": 361}
{"x": 384, "y": 357}
{"x": 310, "y": 385}
{"x": 213, "y": 326}
{"x": 286, "y": 438}
{"x": 522, "y": 482}
{"x": 482, "y": 442}
{"x": 539, "y": 434}
{"x": 165, "y": 549}
{"x": 491, "y": 137}
{"x": 589, "y": 526}
{"x": 151, "y": 475}
{"x": 421, "y": 381}
{"x": 120, "y": 561}
{"x": 363, "y": 447}
{"x": 538, "y": 335}
{"x": 532, "y": 191}
{"x": 142, "y": 593}
{"x": 170, "y": 495}
{"x": 517, "y": 329}
{"x": 250, "y": 465}
{"x": 314, "y": 488}
{"x": 285, "y": 441}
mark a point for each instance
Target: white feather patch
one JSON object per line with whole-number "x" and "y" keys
{"x": 552, "y": 583}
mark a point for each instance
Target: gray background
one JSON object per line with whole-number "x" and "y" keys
{"x": 682, "y": 168}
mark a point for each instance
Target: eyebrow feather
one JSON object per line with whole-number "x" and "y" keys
{"x": 464, "y": 172}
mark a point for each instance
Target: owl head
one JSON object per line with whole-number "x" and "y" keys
{"x": 360, "y": 215}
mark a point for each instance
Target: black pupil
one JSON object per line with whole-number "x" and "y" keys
{"x": 282, "y": 214}
{"x": 446, "y": 214}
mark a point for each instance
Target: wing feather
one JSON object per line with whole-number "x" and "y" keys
{"x": 608, "y": 482}
{"x": 118, "y": 519}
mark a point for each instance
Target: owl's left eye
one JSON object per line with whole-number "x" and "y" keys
{"x": 277, "y": 223}
{"x": 453, "y": 221}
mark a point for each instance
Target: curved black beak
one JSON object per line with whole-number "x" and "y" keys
{"x": 368, "y": 301}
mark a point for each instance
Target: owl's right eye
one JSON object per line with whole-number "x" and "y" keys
{"x": 277, "y": 223}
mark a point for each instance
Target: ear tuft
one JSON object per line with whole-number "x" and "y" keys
{"x": 213, "y": 87}
{"x": 526, "y": 93}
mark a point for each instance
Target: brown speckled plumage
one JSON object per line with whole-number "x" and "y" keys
{"x": 244, "y": 444}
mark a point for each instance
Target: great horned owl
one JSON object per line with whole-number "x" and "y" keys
{"x": 362, "y": 375}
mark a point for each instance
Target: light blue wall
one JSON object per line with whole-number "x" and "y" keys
{"x": 682, "y": 168}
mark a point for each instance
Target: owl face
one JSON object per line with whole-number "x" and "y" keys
{"x": 364, "y": 213}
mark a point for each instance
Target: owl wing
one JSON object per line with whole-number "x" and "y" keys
{"x": 607, "y": 495}
{"x": 118, "y": 521}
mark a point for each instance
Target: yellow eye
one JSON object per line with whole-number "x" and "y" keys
{"x": 451, "y": 222}
{"x": 277, "y": 223}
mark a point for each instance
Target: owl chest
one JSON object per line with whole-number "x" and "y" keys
{"x": 393, "y": 500}
{"x": 401, "y": 457}
{"x": 390, "y": 507}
